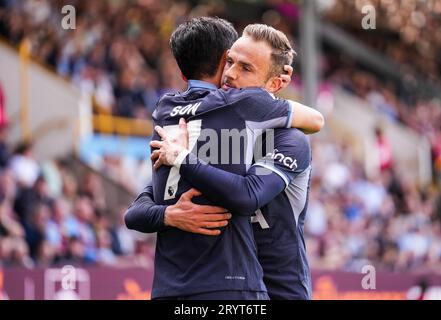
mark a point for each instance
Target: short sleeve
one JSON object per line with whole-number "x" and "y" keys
{"x": 290, "y": 156}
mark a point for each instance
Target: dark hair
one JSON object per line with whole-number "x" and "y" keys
{"x": 198, "y": 45}
{"x": 23, "y": 147}
{"x": 282, "y": 52}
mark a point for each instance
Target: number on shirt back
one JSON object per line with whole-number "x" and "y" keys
{"x": 194, "y": 131}
{"x": 260, "y": 219}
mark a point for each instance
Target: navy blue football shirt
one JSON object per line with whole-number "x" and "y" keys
{"x": 278, "y": 195}
{"x": 188, "y": 263}
{"x": 279, "y": 225}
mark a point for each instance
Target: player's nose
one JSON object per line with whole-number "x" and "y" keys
{"x": 230, "y": 74}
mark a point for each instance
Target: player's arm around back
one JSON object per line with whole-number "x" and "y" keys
{"x": 144, "y": 215}
{"x": 305, "y": 118}
{"x": 188, "y": 216}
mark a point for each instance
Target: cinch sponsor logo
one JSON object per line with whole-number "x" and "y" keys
{"x": 189, "y": 109}
{"x": 286, "y": 161}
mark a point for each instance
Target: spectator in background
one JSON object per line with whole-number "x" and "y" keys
{"x": 70, "y": 189}
{"x": 124, "y": 239}
{"x": 37, "y": 227}
{"x": 8, "y": 186}
{"x": 23, "y": 165}
{"x": 436, "y": 157}
{"x": 75, "y": 253}
{"x": 53, "y": 177}
{"x": 63, "y": 220}
{"x": 5, "y": 251}
{"x": 105, "y": 255}
{"x": 85, "y": 216}
{"x": 28, "y": 198}
{"x": 384, "y": 150}
{"x": 13, "y": 248}
{"x": 19, "y": 256}
{"x": 93, "y": 188}
{"x": 46, "y": 255}
{"x": 4, "y": 149}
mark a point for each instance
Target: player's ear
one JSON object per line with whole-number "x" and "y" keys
{"x": 275, "y": 84}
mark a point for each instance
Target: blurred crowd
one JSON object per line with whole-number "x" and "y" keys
{"x": 118, "y": 51}
{"x": 384, "y": 220}
{"x": 50, "y": 216}
{"x": 421, "y": 114}
{"x": 406, "y": 31}
{"x": 119, "y": 54}
{"x": 355, "y": 220}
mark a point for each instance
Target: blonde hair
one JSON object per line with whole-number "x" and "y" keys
{"x": 282, "y": 53}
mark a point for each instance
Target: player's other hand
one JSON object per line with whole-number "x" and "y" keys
{"x": 191, "y": 217}
{"x": 171, "y": 145}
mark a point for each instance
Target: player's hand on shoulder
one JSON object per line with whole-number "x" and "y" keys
{"x": 169, "y": 148}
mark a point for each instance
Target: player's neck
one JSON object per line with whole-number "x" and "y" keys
{"x": 216, "y": 79}
{"x": 213, "y": 80}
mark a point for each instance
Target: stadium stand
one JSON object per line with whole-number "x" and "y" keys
{"x": 119, "y": 54}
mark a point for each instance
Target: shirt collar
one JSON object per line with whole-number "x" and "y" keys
{"x": 198, "y": 84}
